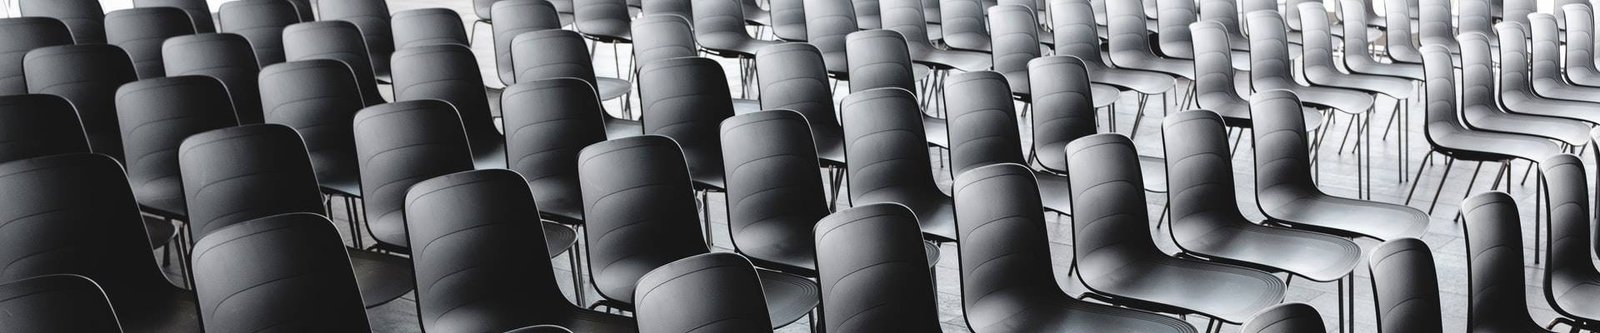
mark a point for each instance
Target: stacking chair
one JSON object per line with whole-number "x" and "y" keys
{"x": 1480, "y": 110}
{"x": 517, "y": 17}
{"x": 712, "y": 292}
{"x": 556, "y": 53}
{"x": 686, "y": 99}
{"x": 449, "y": 73}
{"x": 74, "y": 214}
{"x": 1546, "y": 73}
{"x": 1400, "y": 44}
{"x": 155, "y": 115}
{"x": 1286, "y": 193}
{"x": 140, "y": 32}
{"x": 25, "y": 34}
{"x": 372, "y": 17}
{"x": 88, "y": 77}
{"x": 907, "y": 18}
{"x": 198, "y": 11}
{"x": 1007, "y": 284}
{"x": 878, "y": 59}
{"x": 84, "y": 18}
{"x": 775, "y": 196}
{"x": 1580, "y": 50}
{"x": 1568, "y": 269}
{"x": 873, "y": 271}
{"x": 1358, "y": 57}
{"x": 397, "y": 145}
{"x": 478, "y": 271}
{"x": 334, "y": 40}
{"x": 983, "y": 132}
{"x": 1285, "y": 318}
{"x": 887, "y": 158}
{"x": 261, "y": 22}
{"x": 224, "y": 57}
{"x": 1494, "y": 265}
{"x": 277, "y": 272}
{"x": 319, "y": 100}
{"x": 1405, "y": 289}
{"x": 1517, "y": 92}
{"x": 427, "y": 26}
{"x": 962, "y": 25}
{"x": 37, "y": 125}
{"x": 828, "y": 22}
{"x": 794, "y": 76}
{"x": 1073, "y": 21}
{"x": 57, "y": 303}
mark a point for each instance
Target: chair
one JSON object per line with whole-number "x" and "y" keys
{"x": 427, "y": 26}
{"x": 1517, "y": 94}
{"x": 1073, "y": 21}
{"x": 277, "y": 272}
{"x": 679, "y": 8}
{"x": 140, "y": 32}
{"x": 983, "y": 132}
{"x": 1226, "y": 12}
{"x": 228, "y": 59}
{"x": 74, "y": 214}
{"x": 874, "y": 271}
{"x": 1319, "y": 67}
{"x": 712, "y": 292}
{"x": 319, "y": 99}
{"x": 1517, "y": 11}
{"x": 555, "y": 53}
{"x": 84, "y": 18}
{"x": 1546, "y": 74}
{"x": 1015, "y": 43}
{"x": 719, "y": 28}
{"x": 1434, "y": 25}
{"x": 518, "y": 17}
{"x": 547, "y": 122}
{"x": 155, "y": 116}
{"x": 88, "y": 77}
{"x": 607, "y": 21}
{"x": 449, "y": 73}
{"x": 1401, "y": 44}
{"x": 1014, "y": 289}
{"x": 1357, "y": 55}
{"x": 686, "y": 99}
{"x": 1214, "y": 76}
{"x": 828, "y": 22}
{"x": 908, "y": 18}
{"x": 198, "y": 11}
{"x": 260, "y": 22}
{"x": 1270, "y": 69}
{"x": 962, "y": 25}
{"x": 887, "y": 158}
{"x": 775, "y": 196}
{"x": 1580, "y": 51}
{"x": 25, "y": 34}
{"x": 475, "y": 271}
{"x": 399, "y": 144}
{"x": 1129, "y": 45}
{"x": 1405, "y": 291}
{"x": 789, "y": 20}
{"x": 1568, "y": 269}
{"x": 878, "y": 59}
{"x": 57, "y": 303}
{"x": 794, "y": 76}
{"x": 662, "y": 36}
{"x": 372, "y": 17}
{"x": 1480, "y": 110}
{"x": 39, "y": 125}
{"x": 868, "y": 14}
{"x": 1286, "y": 318}
{"x": 1063, "y": 111}
{"x": 334, "y": 40}
{"x": 1494, "y": 250}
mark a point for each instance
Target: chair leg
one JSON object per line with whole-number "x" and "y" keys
{"x": 473, "y": 34}
{"x": 1413, "y": 190}
{"x": 576, "y": 265}
{"x": 1448, "y": 163}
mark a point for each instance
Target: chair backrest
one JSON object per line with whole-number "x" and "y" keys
{"x": 982, "y": 121}
{"x": 788, "y": 19}
{"x": 1405, "y": 289}
{"x": 549, "y": 54}
{"x": 828, "y": 22}
{"x": 547, "y": 122}
{"x": 886, "y": 146}
{"x": 958, "y": 17}
{"x": 772, "y": 180}
{"x": 57, "y": 303}
{"x": 662, "y": 36}
{"x": 679, "y": 8}
{"x": 1494, "y": 242}
{"x": 879, "y": 59}
{"x": 449, "y": 73}
{"x": 319, "y": 99}
{"x": 716, "y": 17}
{"x": 484, "y": 9}
{"x": 1063, "y": 105}
{"x": 794, "y": 77}
{"x": 1397, "y": 24}
{"x": 1358, "y": 48}
{"x": 1517, "y": 11}
{"x": 1110, "y": 225}
{"x": 224, "y": 57}
{"x": 484, "y": 253}
{"x": 1434, "y": 23}
{"x": 1545, "y": 49}
{"x": 1172, "y": 25}
{"x": 140, "y": 32}
{"x": 906, "y": 17}
{"x": 334, "y": 40}
{"x": 427, "y": 26}
{"x": 1477, "y": 73}
{"x": 1278, "y": 132}
{"x": 155, "y": 115}
{"x": 1443, "y": 115}
{"x": 241, "y": 173}
{"x": 372, "y": 16}
{"x": 638, "y": 209}
{"x": 399, "y": 144}
{"x": 24, "y": 34}
{"x": 874, "y": 272}
{"x": 998, "y": 206}
{"x": 1014, "y": 42}
{"x": 712, "y": 292}
{"x": 1316, "y": 40}
{"x": 40, "y": 125}
{"x": 1515, "y": 62}
{"x": 1213, "y": 65}
{"x": 1199, "y": 171}
{"x": 1286, "y": 318}
{"x": 1473, "y": 17}
{"x": 1076, "y": 31}
{"x": 1225, "y": 12}
{"x": 198, "y": 11}
{"x": 687, "y": 99}
{"x": 84, "y": 18}
{"x": 1127, "y": 30}
{"x": 868, "y": 14}
{"x": 1269, "y": 52}
{"x": 261, "y": 22}
{"x": 600, "y": 16}
{"x": 88, "y": 76}
{"x": 1567, "y": 264}
{"x": 1580, "y": 36}
{"x": 517, "y": 17}
{"x": 280, "y": 272}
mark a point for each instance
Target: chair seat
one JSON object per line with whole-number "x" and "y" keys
{"x": 1155, "y": 173}
{"x": 966, "y": 61}
{"x": 494, "y": 157}
{"x": 1150, "y": 62}
{"x": 1016, "y": 311}
{"x": 935, "y": 212}
{"x": 389, "y": 230}
{"x": 558, "y": 200}
{"x": 830, "y": 150}
{"x": 613, "y": 88}
{"x": 160, "y": 232}
{"x": 340, "y": 183}
{"x": 1144, "y": 82}
{"x": 1391, "y": 86}
{"x": 1326, "y": 213}
{"x": 1344, "y": 100}
{"x": 605, "y": 30}
{"x": 1400, "y": 70}
{"x": 1315, "y": 256}
{"x": 710, "y": 182}
{"x": 755, "y": 15}
{"x": 1556, "y": 89}
{"x": 1524, "y": 104}
{"x": 789, "y": 297}
{"x": 743, "y": 106}
{"x": 938, "y": 136}
{"x": 1229, "y": 293}
{"x": 778, "y": 245}
{"x": 617, "y": 128}
{"x": 1494, "y": 146}
{"x": 1565, "y": 130}
{"x": 168, "y": 309}
{"x": 162, "y": 197}
{"x": 381, "y": 277}
{"x": 969, "y": 41}
{"x": 1583, "y": 76}
{"x": 558, "y": 238}
{"x": 733, "y": 43}
{"x": 1578, "y": 300}
{"x": 1104, "y": 95}
{"x": 1055, "y": 192}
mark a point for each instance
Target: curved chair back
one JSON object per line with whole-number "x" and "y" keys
{"x": 662, "y": 36}
{"x": 61, "y": 303}
{"x": 24, "y": 34}
{"x": 484, "y": 9}
{"x": 198, "y": 11}
{"x": 427, "y": 26}
{"x": 84, "y": 18}
{"x": 886, "y": 147}
{"x": 1110, "y": 223}
{"x": 1434, "y": 24}
{"x": 1580, "y": 37}
{"x": 1473, "y": 17}
{"x": 639, "y": 211}
{"x": 998, "y": 205}
{"x": 1494, "y": 251}
{"x": 964, "y": 19}
{"x": 717, "y": 17}
{"x": 1545, "y": 49}
{"x": 775, "y": 194}
{"x": 140, "y": 32}
{"x": 1286, "y": 318}
{"x": 1127, "y": 31}
{"x": 1213, "y": 66}
{"x": 261, "y": 22}
{"x": 1405, "y": 289}
{"x": 399, "y": 144}
{"x": 1278, "y": 133}
{"x": 372, "y": 17}
{"x": 1443, "y": 115}
{"x": 788, "y": 19}
{"x": 712, "y": 292}
{"x": 607, "y": 18}
{"x": 547, "y": 123}
{"x": 1316, "y": 40}
{"x": 828, "y": 23}
{"x": 793, "y": 76}
{"x": 334, "y": 40}
{"x": 40, "y": 125}
{"x": 1172, "y": 25}
{"x": 280, "y": 272}
{"x": 908, "y": 18}
{"x": 679, "y": 8}
{"x": 224, "y": 57}
{"x": 1199, "y": 174}
{"x": 1567, "y": 264}
{"x": 517, "y": 17}
{"x": 549, "y": 54}
{"x": 1014, "y": 42}
{"x": 1515, "y": 62}
{"x": 448, "y": 73}
{"x": 1225, "y": 12}
{"x": 1517, "y": 11}
{"x": 983, "y": 121}
{"x": 156, "y": 115}
{"x": 319, "y": 99}
{"x": 1397, "y": 24}
{"x": 879, "y": 59}
{"x": 1063, "y": 105}
{"x": 1270, "y": 67}
{"x": 868, "y": 14}
{"x": 88, "y": 76}
{"x": 874, "y": 271}
{"x": 686, "y": 99}
{"x": 242, "y": 173}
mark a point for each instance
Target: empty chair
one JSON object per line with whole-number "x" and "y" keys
{"x": 140, "y": 32}
{"x": 1580, "y": 50}
{"x": 887, "y": 158}
{"x": 1226, "y": 12}
{"x": 794, "y": 76}
{"x": 1405, "y": 290}
{"x": 662, "y": 36}
{"x": 1286, "y": 318}
{"x": 449, "y": 73}
{"x": 827, "y": 24}
{"x": 1271, "y": 69}
{"x": 155, "y": 115}
{"x": 281, "y": 272}
{"x": 983, "y": 131}
{"x": 427, "y": 26}
{"x": 1546, "y": 73}
{"x": 1319, "y": 67}
{"x": 712, "y": 292}
{"x": 74, "y": 214}
{"x": 555, "y": 53}
{"x": 1073, "y": 22}
{"x": 1063, "y": 100}
{"x": 39, "y": 125}
{"x": 476, "y": 269}
{"x": 789, "y": 20}
{"x": 1516, "y": 11}
{"x": 261, "y": 22}
{"x": 1474, "y": 16}
{"x": 607, "y": 21}
{"x": 84, "y": 18}
{"x": 1494, "y": 249}
{"x": 224, "y": 57}
{"x": 1015, "y": 43}
{"x": 57, "y": 303}
{"x": 1434, "y": 25}
{"x": 1358, "y": 57}
{"x": 334, "y": 40}
{"x": 686, "y": 99}
{"x": 547, "y": 122}
{"x": 198, "y": 11}
{"x": 1480, "y": 109}
{"x": 25, "y": 34}
{"x": 677, "y": 8}
{"x": 1214, "y": 76}
{"x": 719, "y": 28}
{"x": 1568, "y": 269}
{"x": 518, "y": 17}
{"x": 878, "y": 59}
{"x": 372, "y": 16}
{"x": 907, "y": 18}
{"x": 962, "y": 25}
{"x": 319, "y": 99}
{"x": 399, "y": 144}
{"x": 868, "y": 13}
{"x": 1129, "y": 45}
{"x": 1517, "y": 93}
{"x": 1401, "y": 43}
{"x": 88, "y": 76}
{"x": 775, "y": 196}
{"x": 873, "y": 271}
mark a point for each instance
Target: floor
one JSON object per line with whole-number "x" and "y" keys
{"x": 1336, "y": 177}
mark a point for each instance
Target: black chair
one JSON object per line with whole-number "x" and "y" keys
{"x": 789, "y": 20}
{"x": 224, "y": 57}
{"x": 827, "y": 24}
{"x": 1063, "y": 100}
{"x": 1494, "y": 251}
{"x": 686, "y": 99}
{"x": 712, "y": 292}
{"x": 909, "y": 19}
{"x": 775, "y": 196}
{"x": 719, "y": 28}
{"x": 1214, "y": 76}
{"x": 887, "y": 158}
{"x": 555, "y": 53}
{"x": 427, "y": 26}
{"x": 334, "y": 40}
{"x": 1074, "y": 24}
{"x": 280, "y": 272}
{"x": 449, "y": 73}
{"x": 547, "y": 122}
{"x": 983, "y": 131}
{"x": 319, "y": 99}
{"x": 198, "y": 11}
{"x": 606, "y": 21}
{"x": 1015, "y": 43}
{"x": 88, "y": 77}
{"x": 1580, "y": 66}
{"x": 879, "y": 59}
{"x": 155, "y": 115}
{"x": 1568, "y": 270}
{"x": 260, "y": 22}
{"x": 39, "y": 125}
{"x": 85, "y": 18}
{"x": 140, "y": 32}
{"x": 74, "y": 214}
{"x": 873, "y": 269}
{"x": 1405, "y": 290}
{"x": 1007, "y": 284}
{"x": 794, "y": 77}
{"x": 397, "y": 145}
{"x": 475, "y": 267}
{"x": 372, "y": 17}
{"x": 61, "y": 303}
{"x": 517, "y": 17}
{"x": 25, "y": 34}
{"x": 1286, "y": 318}
{"x": 1517, "y": 93}
{"x": 662, "y": 36}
